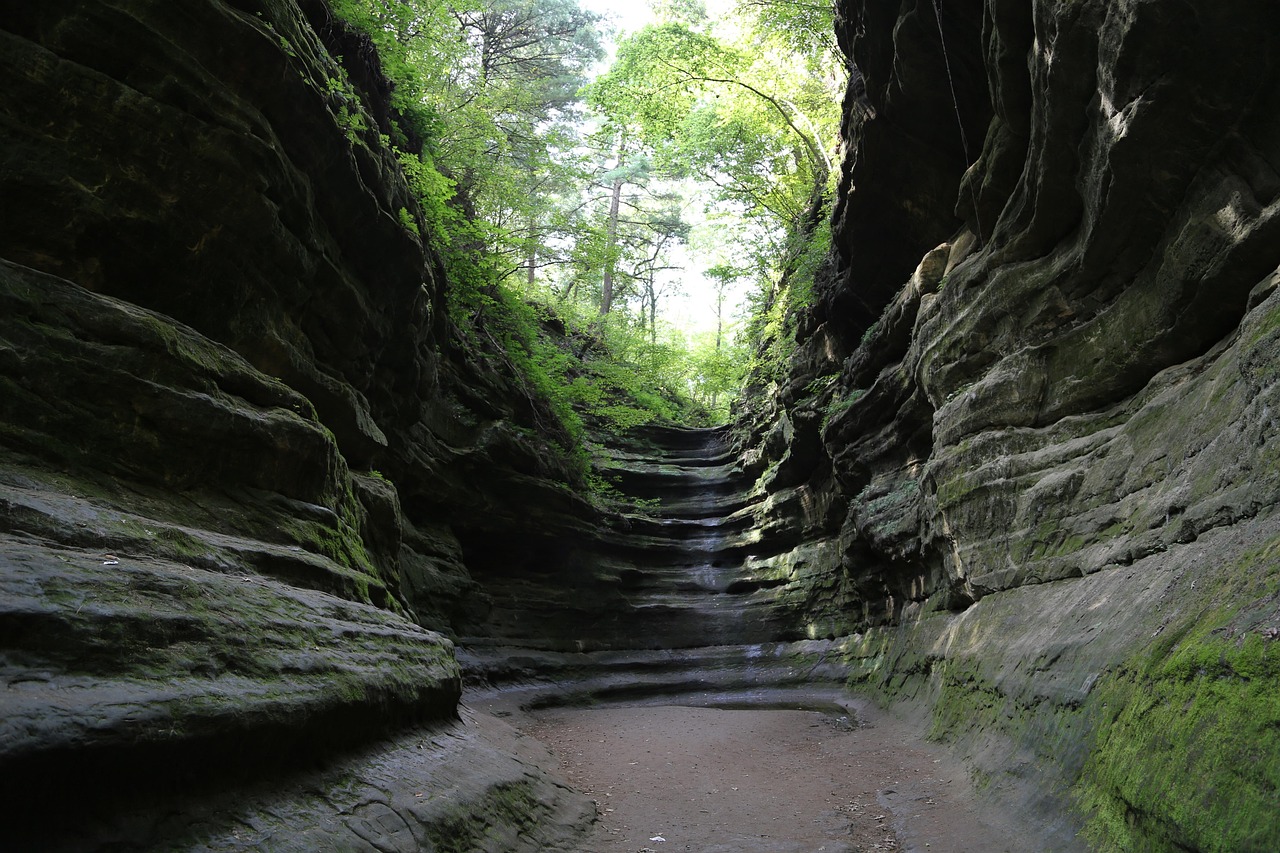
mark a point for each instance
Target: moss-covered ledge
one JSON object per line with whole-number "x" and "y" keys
{"x": 1133, "y": 709}
{"x": 124, "y": 675}
{"x": 1186, "y": 753}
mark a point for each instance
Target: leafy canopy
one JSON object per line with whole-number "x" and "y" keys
{"x": 562, "y": 210}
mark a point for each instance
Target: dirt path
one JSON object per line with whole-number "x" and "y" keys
{"x": 706, "y": 780}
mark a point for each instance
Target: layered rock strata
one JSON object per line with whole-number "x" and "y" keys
{"x": 240, "y": 447}
{"x": 699, "y": 591}
{"x": 1041, "y": 389}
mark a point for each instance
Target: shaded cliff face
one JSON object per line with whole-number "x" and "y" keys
{"x": 1024, "y": 473}
{"x": 1045, "y": 392}
{"x": 1118, "y": 222}
{"x": 242, "y": 450}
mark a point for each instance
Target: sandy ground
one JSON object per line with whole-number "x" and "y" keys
{"x": 668, "y": 779}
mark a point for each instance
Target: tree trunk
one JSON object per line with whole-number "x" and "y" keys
{"x": 653, "y": 309}
{"x": 532, "y": 265}
{"x": 610, "y": 247}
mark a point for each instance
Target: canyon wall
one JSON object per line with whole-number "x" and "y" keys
{"x": 1040, "y": 380}
{"x": 243, "y": 453}
{"x": 1021, "y": 481}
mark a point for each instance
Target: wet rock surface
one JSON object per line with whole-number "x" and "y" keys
{"x": 685, "y": 592}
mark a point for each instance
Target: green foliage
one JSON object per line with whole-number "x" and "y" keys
{"x": 690, "y": 12}
{"x": 410, "y": 224}
{"x": 776, "y": 313}
{"x": 511, "y": 329}
{"x": 811, "y": 251}
{"x": 839, "y": 405}
{"x": 747, "y": 115}
{"x": 529, "y": 210}
{"x": 490, "y": 89}
{"x": 736, "y": 116}
{"x": 630, "y": 378}
{"x": 821, "y": 384}
{"x": 346, "y": 107}
{"x": 1187, "y": 752}
{"x": 435, "y": 193}
{"x": 610, "y": 376}
{"x": 803, "y": 29}
{"x": 736, "y": 143}
{"x": 656, "y": 79}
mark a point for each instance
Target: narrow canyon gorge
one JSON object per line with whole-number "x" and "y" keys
{"x": 276, "y": 538}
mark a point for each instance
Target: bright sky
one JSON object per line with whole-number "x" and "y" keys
{"x": 627, "y": 15}
{"x": 630, "y": 15}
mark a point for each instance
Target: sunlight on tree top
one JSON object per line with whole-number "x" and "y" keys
{"x": 655, "y": 171}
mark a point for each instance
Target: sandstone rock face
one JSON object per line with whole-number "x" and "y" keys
{"x": 1053, "y": 435}
{"x": 1023, "y": 478}
{"x": 242, "y": 453}
{"x": 698, "y": 590}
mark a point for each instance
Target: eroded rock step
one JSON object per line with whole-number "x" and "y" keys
{"x": 544, "y": 677}
{"x": 695, "y": 445}
{"x": 681, "y": 485}
{"x": 688, "y": 599}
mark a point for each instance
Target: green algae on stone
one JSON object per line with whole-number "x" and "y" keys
{"x": 506, "y": 810}
{"x": 1187, "y": 750}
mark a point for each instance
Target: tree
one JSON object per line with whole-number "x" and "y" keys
{"x": 804, "y": 28}
{"x": 528, "y": 200}
{"x": 693, "y": 99}
{"x": 617, "y": 180}
{"x": 659, "y": 230}
{"x": 692, "y": 13}
{"x": 491, "y": 87}
{"x": 722, "y": 277}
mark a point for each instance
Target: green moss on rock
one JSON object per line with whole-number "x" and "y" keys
{"x": 494, "y": 822}
{"x": 1187, "y": 751}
